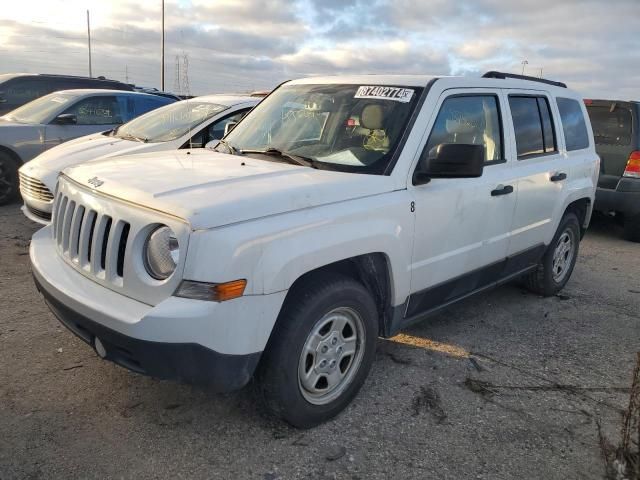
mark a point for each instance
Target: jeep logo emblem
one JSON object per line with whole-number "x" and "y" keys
{"x": 95, "y": 181}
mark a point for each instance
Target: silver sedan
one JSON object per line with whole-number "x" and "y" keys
{"x": 55, "y": 118}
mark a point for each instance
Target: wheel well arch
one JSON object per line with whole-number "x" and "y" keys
{"x": 12, "y": 154}
{"x": 372, "y": 270}
{"x": 582, "y": 208}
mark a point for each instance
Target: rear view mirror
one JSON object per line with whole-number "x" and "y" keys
{"x": 66, "y": 119}
{"x": 229, "y": 126}
{"x": 450, "y": 160}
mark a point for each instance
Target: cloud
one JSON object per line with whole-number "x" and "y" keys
{"x": 245, "y": 44}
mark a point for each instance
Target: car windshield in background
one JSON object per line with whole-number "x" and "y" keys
{"x": 41, "y": 109}
{"x": 352, "y": 128}
{"x": 170, "y": 122}
{"x": 611, "y": 124}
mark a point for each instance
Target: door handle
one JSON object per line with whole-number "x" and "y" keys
{"x": 502, "y": 190}
{"x": 558, "y": 177}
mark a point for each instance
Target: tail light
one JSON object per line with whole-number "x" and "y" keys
{"x": 633, "y": 165}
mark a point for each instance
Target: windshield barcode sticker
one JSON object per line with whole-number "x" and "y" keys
{"x": 385, "y": 93}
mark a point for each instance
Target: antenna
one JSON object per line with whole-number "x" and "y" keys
{"x": 185, "y": 73}
{"x": 176, "y": 76}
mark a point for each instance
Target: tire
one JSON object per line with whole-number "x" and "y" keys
{"x": 545, "y": 280}
{"x": 318, "y": 305}
{"x": 8, "y": 179}
{"x": 631, "y": 230}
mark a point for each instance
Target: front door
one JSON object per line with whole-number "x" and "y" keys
{"x": 462, "y": 225}
{"x": 93, "y": 114}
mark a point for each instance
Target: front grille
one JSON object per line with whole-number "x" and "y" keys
{"x": 38, "y": 213}
{"x": 94, "y": 241}
{"x": 34, "y": 188}
{"x": 103, "y": 239}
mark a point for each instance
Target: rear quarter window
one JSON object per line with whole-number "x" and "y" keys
{"x": 611, "y": 124}
{"x": 573, "y": 124}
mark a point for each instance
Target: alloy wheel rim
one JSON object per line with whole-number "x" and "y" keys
{"x": 563, "y": 255}
{"x": 331, "y": 356}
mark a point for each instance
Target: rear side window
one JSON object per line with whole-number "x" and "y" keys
{"x": 472, "y": 119}
{"x": 146, "y": 104}
{"x": 18, "y": 91}
{"x": 573, "y": 126}
{"x": 533, "y": 125}
{"x": 611, "y": 124}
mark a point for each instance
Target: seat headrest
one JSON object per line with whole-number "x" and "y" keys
{"x": 460, "y": 127}
{"x": 372, "y": 117}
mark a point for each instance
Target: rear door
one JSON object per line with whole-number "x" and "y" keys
{"x": 532, "y": 118}
{"x": 615, "y": 130}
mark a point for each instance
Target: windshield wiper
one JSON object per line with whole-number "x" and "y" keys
{"x": 133, "y": 137}
{"x": 232, "y": 150}
{"x": 291, "y": 158}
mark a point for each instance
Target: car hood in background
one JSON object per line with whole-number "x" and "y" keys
{"x": 46, "y": 166}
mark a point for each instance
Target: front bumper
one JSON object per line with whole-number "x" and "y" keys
{"x": 186, "y": 362}
{"x": 217, "y": 344}
{"x": 43, "y": 217}
{"x": 624, "y": 199}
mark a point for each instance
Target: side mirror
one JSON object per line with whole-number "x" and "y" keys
{"x": 66, "y": 119}
{"x": 212, "y": 144}
{"x": 229, "y": 126}
{"x": 450, "y": 160}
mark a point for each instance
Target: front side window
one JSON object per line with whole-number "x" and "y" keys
{"x": 170, "y": 122}
{"x": 611, "y": 124}
{"x": 533, "y": 125}
{"x": 474, "y": 120}
{"x": 349, "y": 128}
{"x": 97, "y": 111}
{"x": 575, "y": 130}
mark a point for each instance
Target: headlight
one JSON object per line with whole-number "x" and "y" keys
{"x": 161, "y": 253}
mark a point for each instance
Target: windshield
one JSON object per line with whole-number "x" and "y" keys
{"x": 170, "y": 122}
{"x": 41, "y": 109}
{"x": 352, "y": 128}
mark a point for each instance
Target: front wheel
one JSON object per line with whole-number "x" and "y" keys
{"x": 553, "y": 272}
{"x": 8, "y": 179}
{"x": 320, "y": 351}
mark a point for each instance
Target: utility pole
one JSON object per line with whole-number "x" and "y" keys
{"x": 162, "y": 67}
{"x": 89, "y": 41}
{"x": 524, "y": 62}
{"x": 126, "y": 74}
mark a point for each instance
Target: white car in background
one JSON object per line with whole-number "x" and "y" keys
{"x": 186, "y": 124}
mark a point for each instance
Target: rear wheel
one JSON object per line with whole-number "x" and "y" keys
{"x": 320, "y": 351}
{"x": 557, "y": 264}
{"x": 632, "y": 228}
{"x": 8, "y": 179}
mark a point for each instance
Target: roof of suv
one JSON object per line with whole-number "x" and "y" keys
{"x": 99, "y": 91}
{"x": 509, "y": 81}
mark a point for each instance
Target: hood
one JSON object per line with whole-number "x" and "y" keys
{"x": 211, "y": 189}
{"x": 50, "y": 163}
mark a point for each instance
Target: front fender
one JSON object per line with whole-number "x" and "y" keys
{"x": 273, "y": 252}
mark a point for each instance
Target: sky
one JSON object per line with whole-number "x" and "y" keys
{"x": 245, "y": 45}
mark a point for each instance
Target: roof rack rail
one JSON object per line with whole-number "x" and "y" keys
{"x": 503, "y": 75}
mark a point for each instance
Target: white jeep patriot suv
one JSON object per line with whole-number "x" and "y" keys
{"x": 340, "y": 209}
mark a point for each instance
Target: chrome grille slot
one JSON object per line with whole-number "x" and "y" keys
{"x": 75, "y": 232}
{"x": 66, "y": 225}
{"x": 61, "y": 211}
{"x": 34, "y": 188}
{"x": 86, "y": 236}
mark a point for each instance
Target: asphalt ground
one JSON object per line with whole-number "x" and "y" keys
{"x": 503, "y": 385}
